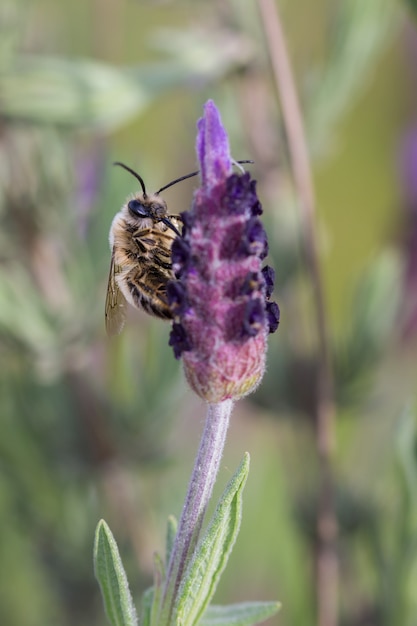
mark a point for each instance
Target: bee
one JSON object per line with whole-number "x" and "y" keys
{"x": 141, "y": 237}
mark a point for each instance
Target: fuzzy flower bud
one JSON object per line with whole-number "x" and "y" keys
{"x": 220, "y": 301}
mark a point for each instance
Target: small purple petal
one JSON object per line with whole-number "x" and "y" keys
{"x": 268, "y": 274}
{"x": 255, "y": 240}
{"x": 188, "y": 221}
{"x": 256, "y": 208}
{"x": 254, "y": 318}
{"x": 240, "y": 196}
{"x": 251, "y": 283}
{"x": 177, "y": 297}
{"x": 180, "y": 256}
{"x": 179, "y": 340}
{"x": 273, "y": 316}
{"x": 213, "y": 150}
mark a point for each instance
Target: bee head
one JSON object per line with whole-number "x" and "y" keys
{"x": 138, "y": 208}
{"x": 149, "y": 206}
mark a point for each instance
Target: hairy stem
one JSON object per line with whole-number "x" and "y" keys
{"x": 200, "y": 488}
{"x": 326, "y": 556}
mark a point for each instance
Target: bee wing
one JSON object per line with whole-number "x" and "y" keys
{"x": 115, "y": 310}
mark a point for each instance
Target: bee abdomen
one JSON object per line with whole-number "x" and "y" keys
{"x": 149, "y": 300}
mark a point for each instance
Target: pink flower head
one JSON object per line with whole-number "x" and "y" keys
{"x": 221, "y": 298}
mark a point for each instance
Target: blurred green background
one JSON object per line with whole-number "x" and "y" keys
{"x": 92, "y": 428}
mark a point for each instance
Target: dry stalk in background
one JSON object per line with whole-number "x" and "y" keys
{"x": 327, "y": 566}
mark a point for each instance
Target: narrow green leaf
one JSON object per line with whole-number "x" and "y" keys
{"x": 146, "y": 607}
{"x": 109, "y": 571}
{"x": 244, "y": 614}
{"x": 211, "y": 555}
{"x": 172, "y": 525}
{"x": 158, "y": 577}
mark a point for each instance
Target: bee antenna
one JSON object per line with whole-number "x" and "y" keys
{"x": 135, "y": 174}
{"x": 178, "y": 180}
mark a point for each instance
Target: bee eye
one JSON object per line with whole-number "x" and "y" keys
{"x": 138, "y": 209}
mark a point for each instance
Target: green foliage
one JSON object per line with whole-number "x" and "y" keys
{"x": 211, "y": 555}
{"x": 170, "y": 536}
{"x": 146, "y": 607}
{"x": 200, "y": 578}
{"x": 112, "y": 578}
{"x": 244, "y": 614}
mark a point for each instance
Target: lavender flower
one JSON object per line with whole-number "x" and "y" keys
{"x": 220, "y": 299}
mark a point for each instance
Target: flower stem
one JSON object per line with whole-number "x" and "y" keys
{"x": 327, "y": 565}
{"x": 200, "y": 488}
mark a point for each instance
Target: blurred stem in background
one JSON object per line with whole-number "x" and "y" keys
{"x": 326, "y": 550}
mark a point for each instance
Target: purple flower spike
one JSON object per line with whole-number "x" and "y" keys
{"x": 220, "y": 302}
{"x": 213, "y": 150}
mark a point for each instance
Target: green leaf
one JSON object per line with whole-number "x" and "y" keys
{"x": 212, "y": 552}
{"x": 158, "y": 576}
{"x": 146, "y": 607}
{"x": 244, "y": 614}
{"x": 109, "y": 571}
{"x": 172, "y": 525}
